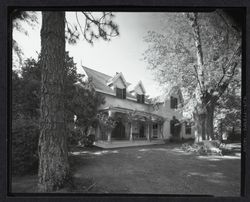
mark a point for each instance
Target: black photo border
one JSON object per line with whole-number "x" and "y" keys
{"x": 115, "y": 5}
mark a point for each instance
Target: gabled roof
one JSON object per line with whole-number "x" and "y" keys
{"x": 100, "y": 81}
{"x": 117, "y": 76}
{"x": 141, "y": 86}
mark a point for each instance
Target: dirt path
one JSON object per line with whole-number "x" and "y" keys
{"x": 159, "y": 169}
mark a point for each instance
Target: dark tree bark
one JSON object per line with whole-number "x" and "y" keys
{"x": 53, "y": 154}
{"x": 200, "y": 123}
{"x": 210, "y": 121}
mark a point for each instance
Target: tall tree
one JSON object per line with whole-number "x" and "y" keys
{"x": 204, "y": 111}
{"x": 53, "y": 155}
{"x": 202, "y": 59}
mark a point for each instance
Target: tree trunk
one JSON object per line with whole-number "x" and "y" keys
{"x": 200, "y": 113}
{"x": 204, "y": 120}
{"x": 53, "y": 154}
{"x": 210, "y": 121}
{"x": 197, "y": 41}
{"x": 200, "y": 132}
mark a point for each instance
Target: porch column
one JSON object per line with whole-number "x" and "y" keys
{"x": 110, "y": 113}
{"x": 97, "y": 132}
{"x": 131, "y": 132}
{"x": 109, "y": 136}
{"x": 161, "y": 130}
{"x": 148, "y": 131}
{"x": 158, "y": 131}
{"x": 151, "y": 131}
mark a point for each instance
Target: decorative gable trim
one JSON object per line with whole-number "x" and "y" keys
{"x": 141, "y": 86}
{"x": 116, "y": 77}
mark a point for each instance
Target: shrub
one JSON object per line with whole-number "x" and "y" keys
{"x": 77, "y": 136}
{"x": 234, "y": 135}
{"x": 74, "y": 137}
{"x": 25, "y": 134}
{"x": 203, "y": 148}
{"x": 89, "y": 140}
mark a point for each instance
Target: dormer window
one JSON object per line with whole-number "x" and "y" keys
{"x": 173, "y": 103}
{"x": 140, "y": 98}
{"x": 121, "y": 93}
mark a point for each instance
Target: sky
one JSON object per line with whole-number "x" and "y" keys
{"x": 121, "y": 54}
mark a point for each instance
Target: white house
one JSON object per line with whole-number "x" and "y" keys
{"x": 148, "y": 121}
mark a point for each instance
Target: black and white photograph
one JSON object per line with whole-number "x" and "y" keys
{"x": 127, "y": 102}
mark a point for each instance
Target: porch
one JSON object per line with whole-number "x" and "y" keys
{"x": 126, "y": 143}
{"x": 133, "y": 128}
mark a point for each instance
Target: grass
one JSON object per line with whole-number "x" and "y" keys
{"x": 155, "y": 169}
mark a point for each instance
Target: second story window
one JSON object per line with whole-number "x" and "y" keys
{"x": 121, "y": 93}
{"x": 140, "y": 98}
{"x": 173, "y": 103}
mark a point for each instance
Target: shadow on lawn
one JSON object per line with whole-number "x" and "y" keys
{"x": 96, "y": 153}
{"x": 211, "y": 177}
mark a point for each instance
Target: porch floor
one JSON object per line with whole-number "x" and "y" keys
{"x": 126, "y": 143}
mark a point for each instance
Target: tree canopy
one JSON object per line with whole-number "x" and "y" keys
{"x": 174, "y": 56}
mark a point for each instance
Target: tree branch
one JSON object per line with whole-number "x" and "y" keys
{"x": 236, "y": 53}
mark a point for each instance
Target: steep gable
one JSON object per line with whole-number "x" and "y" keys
{"x": 118, "y": 79}
{"x": 102, "y": 82}
{"x": 139, "y": 89}
{"x": 119, "y": 83}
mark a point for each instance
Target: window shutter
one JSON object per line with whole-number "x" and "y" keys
{"x": 138, "y": 98}
{"x": 176, "y": 103}
{"x": 118, "y": 92}
{"x": 124, "y": 93}
{"x": 171, "y": 102}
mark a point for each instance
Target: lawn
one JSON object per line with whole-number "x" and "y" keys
{"x": 155, "y": 169}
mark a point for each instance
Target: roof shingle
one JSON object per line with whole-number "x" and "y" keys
{"x": 100, "y": 81}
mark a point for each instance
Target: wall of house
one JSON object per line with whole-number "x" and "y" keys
{"x": 123, "y": 103}
{"x": 188, "y": 136}
{"x": 164, "y": 110}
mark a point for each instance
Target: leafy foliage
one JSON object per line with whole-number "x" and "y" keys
{"x": 83, "y": 105}
{"x": 171, "y": 55}
{"x": 19, "y": 18}
{"x": 79, "y": 100}
{"x": 107, "y": 123}
{"x": 173, "y": 58}
{"x": 96, "y": 25}
{"x": 25, "y": 133}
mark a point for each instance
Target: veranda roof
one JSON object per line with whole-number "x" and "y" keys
{"x": 136, "y": 115}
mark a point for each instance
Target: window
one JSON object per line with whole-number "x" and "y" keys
{"x": 140, "y": 98}
{"x": 155, "y": 126}
{"x": 155, "y": 130}
{"x": 188, "y": 128}
{"x": 173, "y": 102}
{"x": 121, "y": 93}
